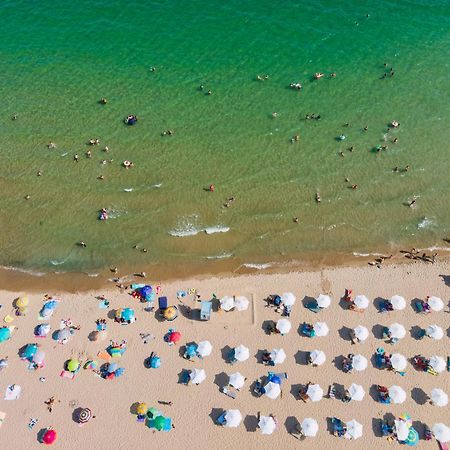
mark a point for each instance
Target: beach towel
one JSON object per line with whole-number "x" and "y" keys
{"x": 2, "y": 418}
{"x": 8, "y": 319}
{"x": 67, "y": 374}
{"x": 104, "y": 355}
{"x": 13, "y": 392}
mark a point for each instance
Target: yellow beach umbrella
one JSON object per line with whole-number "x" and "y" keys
{"x": 22, "y": 302}
{"x": 142, "y": 409}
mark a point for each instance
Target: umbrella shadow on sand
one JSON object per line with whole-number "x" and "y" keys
{"x": 301, "y": 357}
{"x": 221, "y": 379}
{"x": 414, "y": 332}
{"x": 251, "y": 423}
{"x": 112, "y": 314}
{"x": 377, "y": 331}
{"x": 76, "y": 414}
{"x": 344, "y": 333}
{"x": 291, "y": 424}
{"x": 40, "y": 435}
{"x": 419, "y": 396}
{"x": 307, "y": 300}
{"x": 420, "y": 428}
{"x": 377, "y": 302}
{"x": 215, "y": 414}
{"x": 225, "y": 352}
{"x": 338, "y": 362}
{"x": 133, "y": 408}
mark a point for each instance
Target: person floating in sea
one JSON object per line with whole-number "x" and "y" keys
{"x": 103, "y": 101}
{"x": 75, "y": 157}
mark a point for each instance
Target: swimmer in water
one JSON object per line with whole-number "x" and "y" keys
{"x": 75, "y": 157}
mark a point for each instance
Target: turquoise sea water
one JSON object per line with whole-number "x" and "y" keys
{"x": 59, "y": 58}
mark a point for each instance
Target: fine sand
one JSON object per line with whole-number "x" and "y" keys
{"x": 195, "y": 408}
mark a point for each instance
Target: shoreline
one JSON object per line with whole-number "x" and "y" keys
{"x": 16, "y": 279}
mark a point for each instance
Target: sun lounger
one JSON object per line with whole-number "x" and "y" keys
{"x": 221, "y": 419}
{"x": 162, "y": 303}
{"x": 421, "y": 334}
{"x": 231, "y": 358}
{"x": 331, "y": 391}
{"x": 338, "y": 427}
{"x": 385, "y": 306}
{"x": 281, "y": 375}
{"x": 229, "y": 393}
{"x": 313, "y": 306}
{"x": 307, "y": 330}
{"x": 205, "y": 310}
{"x": 185, "y": 378}
{"x": 258, "y": 389}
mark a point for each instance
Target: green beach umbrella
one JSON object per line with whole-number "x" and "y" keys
{"x": 159, "y": 422}
{"x": 153, "y": 412}
{"x": 73, "y": 365}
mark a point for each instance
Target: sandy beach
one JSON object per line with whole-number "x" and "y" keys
{"x": 195, "y": 408}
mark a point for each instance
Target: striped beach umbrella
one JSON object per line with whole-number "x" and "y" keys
{"x": 84, "y": 416}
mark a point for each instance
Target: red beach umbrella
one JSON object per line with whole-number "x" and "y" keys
{"x": 49, "y": 437}
{"x": 174, "y": 337}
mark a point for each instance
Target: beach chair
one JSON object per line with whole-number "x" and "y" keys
{"x": 383, "y": 395}
{"x": 205, "y": 310}
{"x": 258, "y": 388}
{"x": 338, "y": 427}
{"x": 427, "y": 433}
{"x": 307, "y": 330}
{"x": 385, "y": 306}
{"x": 280, "y": 375}
{"x": 387, "y": 429}
{"x": 421, "y": 334}
{"x": 313, "y": 306}
{"x": 185, "y": 378}
{"x": 221, "y": 419}
{"x": 162, "y": 303}
{"x": 229, "y": 393}
{"x": 231, "y": 357}
{"x": 331, "y": 391}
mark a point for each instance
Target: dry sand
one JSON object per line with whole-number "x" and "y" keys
{"x": 195, "y": 407}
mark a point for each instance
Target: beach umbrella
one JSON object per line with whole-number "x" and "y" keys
{"x": 398, "y": 362}
{"x": 435, "y": 303}
{"x": 288, "y": 299}
{"x": 314, "y": 392}
{"x": 142, "y": 408}
{"x": 356, "y": 392}
{"x": 174, "y": 337}
{"x": 155, "y": 362}
{"x": 227, "y": 303}
{"x": 127, "y": 314}
{"x": 233, "y": 418}
{"x": 38, "y": 357}
{"x": 283, "y": 326}
{"x": 317, "y": 357}
{"x": 274, "y": 379}
{"x": 323, "y": 301}
{"x": 361, "y": 333}
{"x": 42, "y": 330}
{"x": 398, "y": 302}
{"x": 437, "y": 363}
{"x": 5, "y": 334}
{"x": 397, "y": 331}
{"x": 309, "y": 427}
{"x": 406, "y": 418}
{"x": 197, "y": 376}
{"x": 85, "y": 415}
{"x": 112, "y": 367}
{"x": 401, "y": 429}
{"x": 354, "y": 429}
{"x": 272, "y": 390}
{"x": 397, "y": 394}
{"x": 22, "y": 302}
{"x": 361, "y": 301}
{"x": 321, "y": 329}
{"x": 439, "y": 397}
{"x": 49, "y": 437}
{"x": 267, "y": 424}
{"x": 241, "y": 303}
{"x": 237, "y": 380}
{"x": 159, "y": 422}
{"x": 359, "y": 363}
{"x": 435, "y": 332}
{"x": 277, "y": 356}
{"x": 73, "y": 365}
{"x": 63, "y": 334}
{"x": 29, "y": 351}
{"x": 204, "y": 348}
{"x": 441, "y": 432}
{"x": 191, "y": 350}
{"x": 413, "y": 437}
{"x": 241, "y": 353}
{"x": 170, "y": 313}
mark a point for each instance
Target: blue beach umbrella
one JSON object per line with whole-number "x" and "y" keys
{"x": 413, "y": 437}
{"x": 29, "y": 351}
{"x": 112, "y": 367}
{"x": 191, "y": 350}
{"x": 155, "y": 362}
{"x": 275, "y": 379}
{"x": 128, "y": 314}
{"x": 119, "y": 371}
{"x": 5, "y": 334}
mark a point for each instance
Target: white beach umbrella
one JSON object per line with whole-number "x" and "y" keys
{"x": 237, "y": 380}
{"x": 197, "y": 376}
{"x": 233, "y": 418}
{"x": 361, "y": 301}
{"x": 272, "y": 390}
{"x": 283, "y": 326}
{"x": 314, "y": 392}
{"x": 354, "y": 429}
{"x": 267, "y": 424}
{"x": 204, "y": 348}
{"x": 439, "y": 397}
{"x": 361, "y": 333}
{"x": 323, "y": 301}
{"x": 397, "y": 331}
{"x": 437, "y": 363}
{"x": 401, "y": 429}
{"x": 398, "y": 362}
{"x": 398, "y": 302}
{"x": 359, "y": 363}
{"x": 356, "y": 392}
{"x": 435, "y": 303}
{"x": 288, "y": 299}
{"x": 277, "y": 356}
{"x": 435, "y": 332}
{"x": 321, "y": 329}
{"x": 241, "y": 353}
{"x": 227, "y": 303}
{"x": 317, "y": 357}
{"x": 241, "y": 303}
{"x": 309, "y": 427}
{"x": 397, "y": 394}
{"x": 441, "y": 432}
{"x": 39, "y": 356}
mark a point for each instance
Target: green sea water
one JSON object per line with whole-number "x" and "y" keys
{"x": 57, "y": 59}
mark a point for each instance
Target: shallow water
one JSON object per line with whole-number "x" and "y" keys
{"x": 64, "y": 57}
